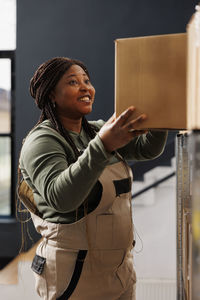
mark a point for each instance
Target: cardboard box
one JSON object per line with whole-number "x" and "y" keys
{"x": 193, "y": 71}
{"x": 150, "y": 73}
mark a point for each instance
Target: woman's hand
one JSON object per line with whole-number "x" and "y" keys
{"x": 116, "y": 133}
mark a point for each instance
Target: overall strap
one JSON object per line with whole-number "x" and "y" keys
{"x": 76, "y": 275}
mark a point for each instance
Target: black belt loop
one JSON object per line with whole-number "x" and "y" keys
{"x": 76, "y": 275}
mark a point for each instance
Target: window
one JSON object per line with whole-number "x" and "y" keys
{"x": 5, "y": 95}
{"x": 7, "y": 24}
{"x": 7, "y": 55}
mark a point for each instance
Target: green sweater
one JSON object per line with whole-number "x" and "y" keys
{"x": 60, "y": 188}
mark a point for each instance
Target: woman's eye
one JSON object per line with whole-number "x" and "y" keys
{"x": 73, "y": 82}
{"x": 87, "y": 81}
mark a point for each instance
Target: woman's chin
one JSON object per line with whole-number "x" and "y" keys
{"x": 87, "y": 111}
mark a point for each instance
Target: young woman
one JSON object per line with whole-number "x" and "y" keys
{"x": 77, "y": 186}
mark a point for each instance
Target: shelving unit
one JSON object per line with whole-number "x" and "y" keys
{"x": 188, "y": 215}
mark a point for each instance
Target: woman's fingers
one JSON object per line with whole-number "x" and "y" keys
{"x": 118, "y": 132}
{"x": 112, "y": 118}
{"x": 136, "y": 133}
{"x": 123, "y": 117}
{"x": 132, "y": 125}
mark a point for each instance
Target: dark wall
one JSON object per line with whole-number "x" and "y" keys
{"x": 83, "y": 29}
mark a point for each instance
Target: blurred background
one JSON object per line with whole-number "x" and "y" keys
{"x": 32, "y": 32}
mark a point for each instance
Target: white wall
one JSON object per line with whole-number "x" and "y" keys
{"x": 154, "y": 217}
{"x": 156, "y": 227}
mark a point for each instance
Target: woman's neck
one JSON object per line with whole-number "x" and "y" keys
{"x": 71, "y": 124}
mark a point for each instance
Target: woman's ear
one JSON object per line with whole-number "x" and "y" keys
{"x": 52, "y": 96}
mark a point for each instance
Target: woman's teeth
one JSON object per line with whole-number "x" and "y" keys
{"x": 85, "y": 99}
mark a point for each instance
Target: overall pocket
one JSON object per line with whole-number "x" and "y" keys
{"x": 125, "y": 271}
{"x": 104, "y": 231}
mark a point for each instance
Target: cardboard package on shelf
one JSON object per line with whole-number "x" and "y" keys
{"x": 150, "y": 74}
{"x": 193, "y": 71}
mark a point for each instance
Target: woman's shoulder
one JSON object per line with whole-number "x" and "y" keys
{"x": 42, "y": 135}
{"x": 99, "y": 123}
{"x": 45, "y": 128}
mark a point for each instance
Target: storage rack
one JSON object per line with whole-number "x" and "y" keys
{"x": 188, "y": 215}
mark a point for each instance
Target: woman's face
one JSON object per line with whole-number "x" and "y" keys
{"x": 73, "y": 94}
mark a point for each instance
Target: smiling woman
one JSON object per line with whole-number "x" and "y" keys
{"x": 73, "y": 97}
{"x": 77, "y": 186}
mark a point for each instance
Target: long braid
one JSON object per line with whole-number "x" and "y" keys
{"x": 90, "y": 129}
{"x": 49, "y": 113}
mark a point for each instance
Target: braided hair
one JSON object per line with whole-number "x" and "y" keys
{"x": 41, "y": 85}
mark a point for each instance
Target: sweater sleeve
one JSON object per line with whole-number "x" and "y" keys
{"x": 64, "y": 187}
{"x": 145, "y": 147}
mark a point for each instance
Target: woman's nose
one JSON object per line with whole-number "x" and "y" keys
{"x": 83, "y": 86}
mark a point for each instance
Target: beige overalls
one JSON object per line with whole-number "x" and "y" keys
{"x": 103, "y": 269}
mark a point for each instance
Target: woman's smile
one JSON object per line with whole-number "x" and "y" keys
{"x": 73, "y": 94}
{"x": 86, "y": 99}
